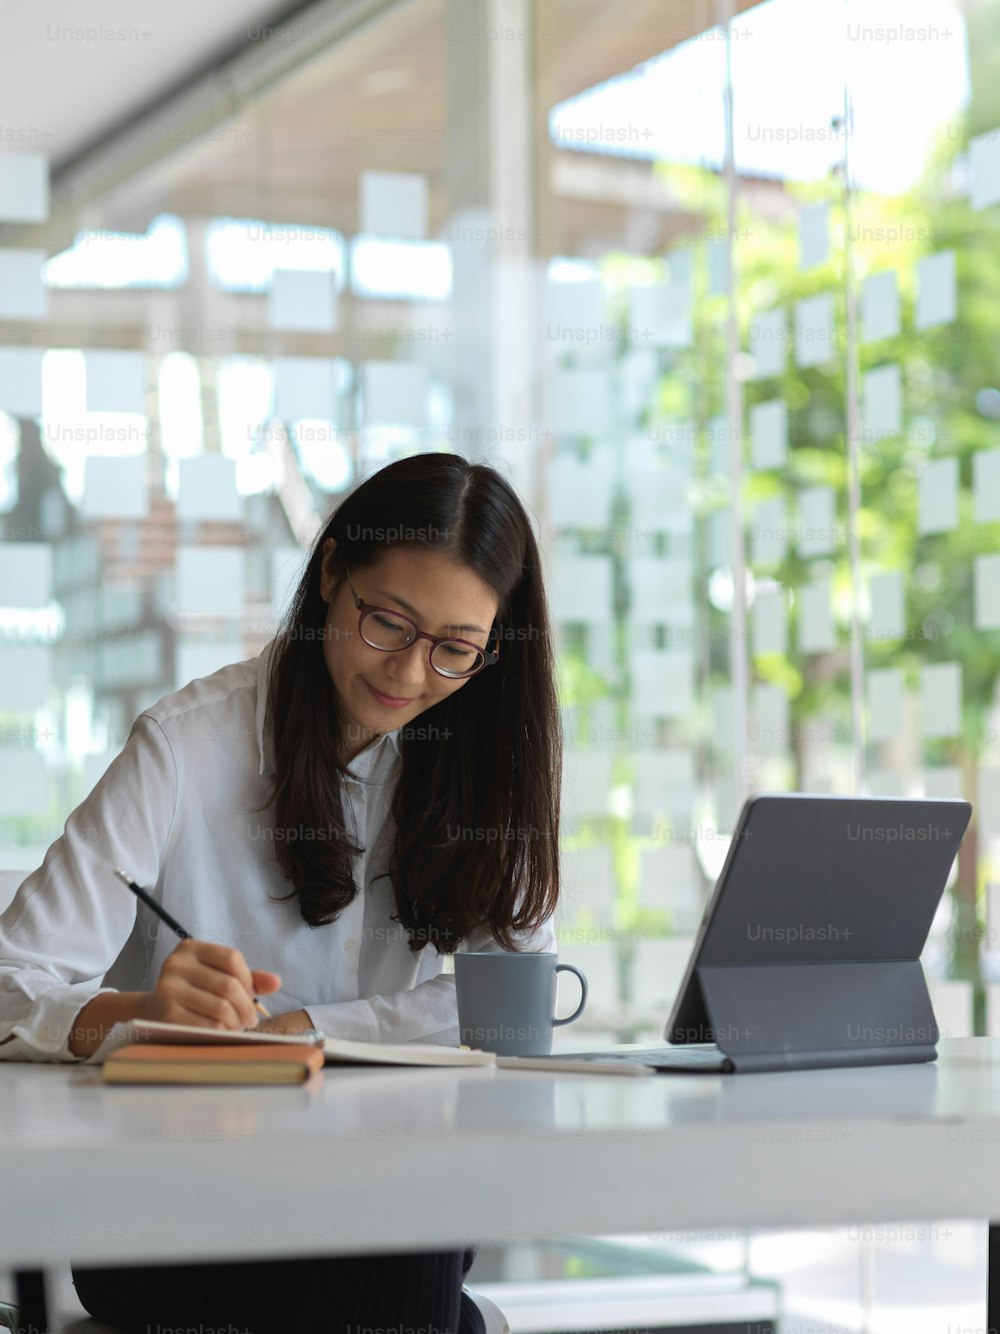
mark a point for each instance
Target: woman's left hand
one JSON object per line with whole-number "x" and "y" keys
{"x": 295, "y": 1021}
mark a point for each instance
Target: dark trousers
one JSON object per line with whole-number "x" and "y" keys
{"x": 336, "y": 1295}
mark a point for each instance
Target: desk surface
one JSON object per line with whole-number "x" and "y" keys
{"x": 381, "y": 1159}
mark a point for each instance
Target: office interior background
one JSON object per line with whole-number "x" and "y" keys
{"x": 717, "y": 285}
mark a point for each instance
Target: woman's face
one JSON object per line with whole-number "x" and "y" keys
{"x": 431, "y": 588}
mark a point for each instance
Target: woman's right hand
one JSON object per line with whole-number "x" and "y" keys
{"x": 208, "y": 986}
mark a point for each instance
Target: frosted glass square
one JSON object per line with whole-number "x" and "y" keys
{"x": 663, "y": 682}
{"x": 574, "y": 312}
{"x": 394, "y": 203}
{"x": 395, "y": 393}
{"x": 814, "y": 235}
{"x": 305, "y": 387}
{"x": 717, "y": 267}
{"x": 936, "y": 290}
{"x": 116, "y": 381}
{"x": 287, "y": 568}
{"x": 986, "y": 574}
{"x": 769, "y": 621}
{"x": 662, "y": 783}
{"x": 21, "y": 380}
{"x": 888, "y": 613}
{"x": 768, "y": 342}
{"x": 881, "y": 404}
{"x": 880, "y": 306}
{"x": 769, "y": 730}
{"x": 941, "y": 699}
{"x": 581, "y": 490}
{"x": 885, "y": 704}
{"x": 115, "y": 487}
{"x": 23, "y": 294}
{"x": 303, "y": 299}
{"x": 669, "y": 880}
{"x": 814, "y": 330}
{"x": 587, "y": 781}
{"x": 986, "y": 485}
{"x": 937, "y": 496}
{"x": 581, "y": 589}
{"x": 589, "y": 877}
{"x": 817, "y": 531}
{"x": 816, "y": 628}
{"x": 719, "y": 536}
{"x": 769, "y": 531}
{"x": 208, "y": 489}
{"x": 210, "y": 580}
{"x": 661, "y": 591}
{"x": 988, "y": 803}
{"x": 660, "y": 315}
{"x": 198, "y": 657}
{"x": 984, "y": 162}
{"x": 580, "y": 402}
{"x": 945, "y": 781}
{"x": 720, "y": 444}
{"x": 24, "y": 784}
{"x": 24, "y": 187}
{"x": 25, "y": 574}
{"x": 769, "y": 434}
{"x": 25, "y": 670}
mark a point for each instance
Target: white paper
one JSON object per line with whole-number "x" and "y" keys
{"x": 885, "y": 704}
{"x": 817, "y": 530}
{"x": 304, "y": 388}
{"x": 394, "y": 203}
{"x": 210, "y": 579}
{"x": 303, "y": 299}
{"x": 115, "y": 487}
{"x": 986, "y": 574}
{"x": 23, "y": 294}
{"x": 880, "y": 306}
{"x": 814, "y": 235}
{"x": 769, "y": 531}
{"x": 21, "y": 381}
{"x": 984, "y": 162}
{"x": 941, "y": 699}
{"x": 769, "y": 434}
{"x": 769, "y": 619}
{"x": 24, "y": 784}
{"x": 814, "y": 330}
{"x": 208, "y": 489}
{"x": 816, "y": 628}
{"x": 580, "y": 402}
{"x": 660, "y": 315}
{"x": 581, "y": 589}
{"x": 24, "y": 187}
{"x": 768, "y": 342}
{"x": 25, "y": 670}
{"x": 395, "y": 393}
{"x": 937, "y": 496}
{"x": 881, "y": 404}
{"x": 888, "y": 615}
{"x": 25, "y": 574}
{"x": 663, "y": 682}
{"x": 936, "y": 290}
{"x": 116, "y": 381}
{"x": 985, "y": 484}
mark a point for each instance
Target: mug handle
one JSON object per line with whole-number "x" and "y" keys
{"x": 568, "y": 968}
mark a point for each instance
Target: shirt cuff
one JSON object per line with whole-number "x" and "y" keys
{"x": 47, "y": 1032}
{"x": 346, "y": 1019}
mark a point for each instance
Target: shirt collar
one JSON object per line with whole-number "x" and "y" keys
{"x": 264, "y": 746}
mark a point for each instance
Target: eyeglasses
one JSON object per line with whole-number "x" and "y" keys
{"x": 390, "y": 631}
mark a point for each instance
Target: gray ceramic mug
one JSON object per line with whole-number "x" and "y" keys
{"x": 506, "y": 1000}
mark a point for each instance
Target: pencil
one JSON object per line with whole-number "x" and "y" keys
{"x": 164, "y": 916}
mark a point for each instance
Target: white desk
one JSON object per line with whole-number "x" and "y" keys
{"x": 99, "y": 1174}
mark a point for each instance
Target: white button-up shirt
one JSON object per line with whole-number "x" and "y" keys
{"x": 177, "y": 811}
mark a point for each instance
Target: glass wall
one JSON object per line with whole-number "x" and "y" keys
{"x": 715, "y": 283}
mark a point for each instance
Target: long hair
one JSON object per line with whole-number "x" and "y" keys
{"x": 476, "y": 807}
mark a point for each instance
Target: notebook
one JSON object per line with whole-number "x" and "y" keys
{"x": 167, "y": 1063}
{"x": 335, "y": 1051}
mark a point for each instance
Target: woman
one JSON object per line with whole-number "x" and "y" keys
{"x": 318, "y": 818}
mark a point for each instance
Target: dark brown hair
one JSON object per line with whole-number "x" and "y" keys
{"x": 476, "y": 806}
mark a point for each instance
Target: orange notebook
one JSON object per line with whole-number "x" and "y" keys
{"x": 159, "y": 1063}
